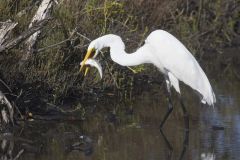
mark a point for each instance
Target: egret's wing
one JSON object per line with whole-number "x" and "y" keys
{"x": 169, "y": 54}
{"x": 94, "y": 63}
{"x": 174, "y": 81}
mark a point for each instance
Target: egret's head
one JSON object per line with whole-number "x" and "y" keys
{"x": 92, "y": 51}
{"x": 96, "y": 45}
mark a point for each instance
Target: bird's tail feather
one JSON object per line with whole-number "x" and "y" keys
{"x": 210, "y": 98}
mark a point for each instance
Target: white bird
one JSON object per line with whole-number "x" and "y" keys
{"x": 167, "y": 53}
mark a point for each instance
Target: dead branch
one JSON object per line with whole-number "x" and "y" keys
{"x": 12, "y": 43}
{"x": 9, "y": 89}
{"x": 5, "y": 29}
{"x": 41, "y": 14}
{"x": 4, "y": 100}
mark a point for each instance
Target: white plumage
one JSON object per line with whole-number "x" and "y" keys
{"x": 167, "y": 53}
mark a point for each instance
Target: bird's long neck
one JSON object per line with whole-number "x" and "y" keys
{"x": 119, "y": 55}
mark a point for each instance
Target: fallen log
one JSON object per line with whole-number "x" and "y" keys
{"x": 12, "y": 43}
{"x": 5, "y": 29}
{"x": 42, "y": 13}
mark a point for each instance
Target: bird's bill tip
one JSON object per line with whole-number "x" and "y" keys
{"x": 86, "y": 71}
{"x": 86, "y": 67}
{"x": 87, "y": 56}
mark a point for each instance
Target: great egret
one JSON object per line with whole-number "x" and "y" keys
{"x": 168, "y": 54}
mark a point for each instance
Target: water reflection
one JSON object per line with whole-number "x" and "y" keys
{"x": 129, "y": 131}
{"x": 207, "y": 156}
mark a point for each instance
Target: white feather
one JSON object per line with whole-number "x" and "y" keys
{"x": 174, "y": 82}
{"x": 168, "y": 54}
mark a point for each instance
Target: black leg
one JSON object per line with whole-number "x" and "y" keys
{"x": 186, "y": 136}
{"x": 185, "y": 145}
{"x": 168, "y": 145}
{"x": 170, "y": 105}
{"x": 185, "y": 114}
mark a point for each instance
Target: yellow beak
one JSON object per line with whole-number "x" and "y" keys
{"x": 86, "y": 71}
{"x": 84, "y": 61}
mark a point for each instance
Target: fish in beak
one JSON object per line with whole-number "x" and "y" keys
{"x": 93, "y": 63}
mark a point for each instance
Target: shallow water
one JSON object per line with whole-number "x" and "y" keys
{"x": 129, "y": 131}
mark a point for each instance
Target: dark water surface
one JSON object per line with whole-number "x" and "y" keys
{"x": 129, "y": 131}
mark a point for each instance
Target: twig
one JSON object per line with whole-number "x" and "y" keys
{"x": 59, "y": 43}
{"x": 5, "y": 85}
{"x": 19, "y": 154}
{"x": 53, "y": 45}
{"x": 236, "y": 74}
{"x": 64, "y": 111}
{"x": 16, "y": 107}
{"x": 84, "y": 36}
{"x": 83, "y": 46}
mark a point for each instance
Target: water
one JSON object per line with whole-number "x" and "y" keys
{"x": 129, "y": 131}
